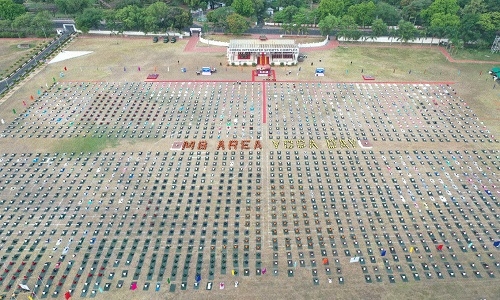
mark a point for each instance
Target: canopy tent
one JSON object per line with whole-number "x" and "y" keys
{"x": 206, "y": 71}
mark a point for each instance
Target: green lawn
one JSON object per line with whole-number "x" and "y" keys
{"x": 84, "y": 144}
{"x": 474, "y": 54}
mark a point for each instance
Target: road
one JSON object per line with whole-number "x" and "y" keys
{"x": 5, "y": 83}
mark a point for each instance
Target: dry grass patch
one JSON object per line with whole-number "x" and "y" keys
{"x": 10, "y": 54}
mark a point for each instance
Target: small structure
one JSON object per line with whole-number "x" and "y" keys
{"x": 263, "y": 70}
{"x": 495, "y": 72}
{"x": 194, "y": 31}
{"x": 260, "y": 52}
{"x": 496, "y": 45}
{"x": 320, "y": 71}
{"x": 206, "y": 71}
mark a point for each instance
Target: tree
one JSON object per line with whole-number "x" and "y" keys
{"x": 300, "y": 18}
{"x": 219, "y": 16}
{"x": 243, "y": 7}
{"x": 286, "y": 27}
{"x": 387, "y": 13}
{"x": 492, "y": 5}
{"x": 475, "y": 7}
{"x": 42, "y": 23}
{"x": 346, "y": 26}
{"x": 406, "y": 31}
{"x": 10, "y": 10}
{"x": 296, "y": 3}
{"x": 156, "y": 17}
{"x": 259, "y": 8}
{"x": 379, "y": 28}
{"x": 130, "y": 17}
{"x": 363, "y": 13}
{"x": 490, "y": 21}
{"x": 109, "y": 17}
{"x": 470, "y": 30}
{"x": 286, "y": 15}
{"x": 122, "y": 3}
{"x": 328, "y": 24}
{"x": 90, "y": 18}
{"x": 22, "y": 22}
{"x": 331, "y": 7}
{"x": 237, "y": 24}
{"x": 195, "y": 4}
{"x": 72, "y": 6}
{"x": 413, "y": 10}
{"x": 443, "y": 7}
{"x": 178, "y": 18}
{"x": 445, "y": 21}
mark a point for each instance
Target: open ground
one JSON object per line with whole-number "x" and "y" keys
{"x": 89, "y": 164}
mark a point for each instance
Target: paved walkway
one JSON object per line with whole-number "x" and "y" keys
{"x": 193, "y": 41}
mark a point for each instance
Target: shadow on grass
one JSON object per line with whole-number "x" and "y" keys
{"x": 84, "y": 144}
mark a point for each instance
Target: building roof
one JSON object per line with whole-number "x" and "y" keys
{"x": 262, "y": 45}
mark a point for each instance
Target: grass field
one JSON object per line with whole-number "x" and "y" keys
{"x": 474, "y": 54}
{"x": 12, "y": 57}
{"x": 130, "y": 60}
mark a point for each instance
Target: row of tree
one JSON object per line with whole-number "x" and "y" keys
{"x": 15, "y": 21}
{"x": 157, "y": 17}
{"x": 465, "y": 22}
{"x": 475, "y": 23}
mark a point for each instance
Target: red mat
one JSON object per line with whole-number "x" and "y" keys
{"x": 368, "y": 77}
{"x": 153, "y": 76}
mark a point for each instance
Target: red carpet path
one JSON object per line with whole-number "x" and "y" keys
{"x": 264, "y": 103}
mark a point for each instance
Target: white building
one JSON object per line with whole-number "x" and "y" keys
{"x": 269, "y": 52}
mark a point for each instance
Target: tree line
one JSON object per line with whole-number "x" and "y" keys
{"x": 15, "y": 21}
{"x": 467, "y": 23}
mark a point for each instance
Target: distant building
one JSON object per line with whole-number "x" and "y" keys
{"x": 270, "y": 11}
{"x": 215, "y": 5}
{"x": 269, "y": 52}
